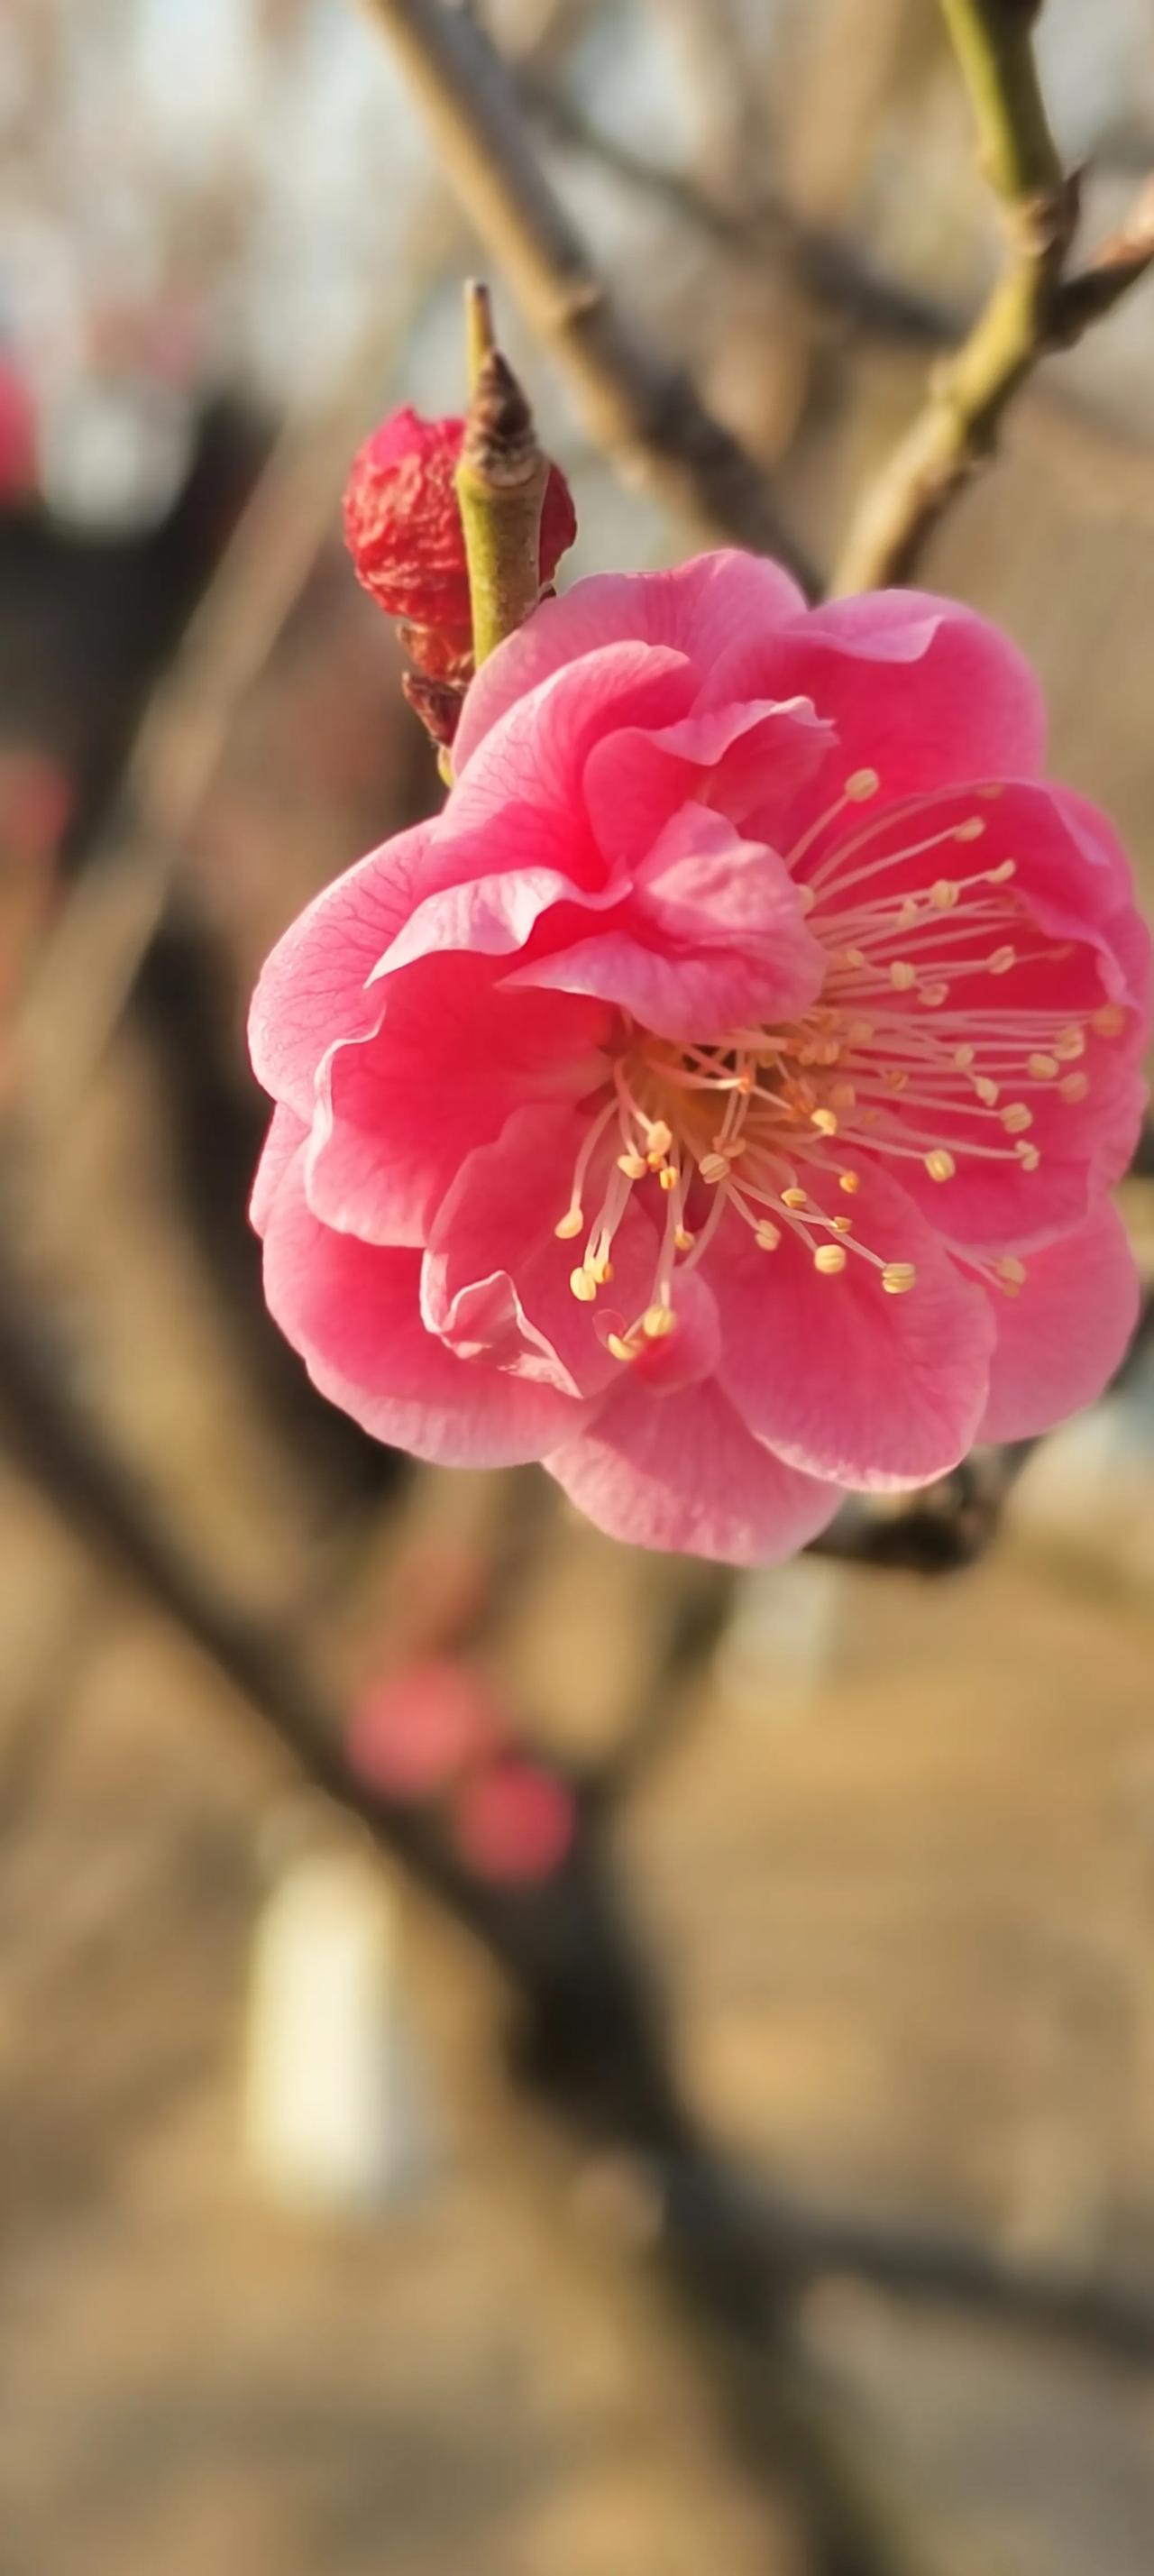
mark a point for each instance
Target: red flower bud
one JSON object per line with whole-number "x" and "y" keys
{"x": 404, "y": 532}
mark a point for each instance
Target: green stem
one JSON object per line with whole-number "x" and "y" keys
{"x": 501, "y": 483}
{"x": 967, "y": 396}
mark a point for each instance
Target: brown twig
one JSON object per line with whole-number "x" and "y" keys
{"x": 642, "y": 409}
{"x": 1034, "y": 306}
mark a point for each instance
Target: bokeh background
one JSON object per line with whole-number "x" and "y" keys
{"x": 295, "y": 2272}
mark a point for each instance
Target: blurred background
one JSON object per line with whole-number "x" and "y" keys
{"x": 299, "y": 2270}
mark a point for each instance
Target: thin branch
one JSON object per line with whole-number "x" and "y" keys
{"x": 1034, "y": 306}
{"x": 592, "y": 2029}
{"x": 826, "y": 266}
{"x": 641, "y": 408}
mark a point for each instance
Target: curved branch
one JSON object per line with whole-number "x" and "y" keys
{"x": 641, "y": 408}
{"x": 1033, "y": 308}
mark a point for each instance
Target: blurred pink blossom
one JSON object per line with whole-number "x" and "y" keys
{"x": 412, "y": 1734}
{"x": 513, "y": 1821}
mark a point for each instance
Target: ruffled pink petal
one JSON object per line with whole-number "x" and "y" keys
{"x": 525, "y": 780}
{"x": 456, "y": 1053}
{"x": 495, "y": 1282}
{"x": 844, "y": 1380}
{"x": 696, "y": 608}
{"x": 713, "y": 937}
{"x": 734, "y": 758}
{"x": 286, "y": 1135}
{"x": 998, "y": 1205}
{"x": 312, "y": 987}
{"x": 1061, "y": 1337}
{"x": 353, "y": 1313}
{"x": 920, "y": 690}
{"x": 683, "y": 1473}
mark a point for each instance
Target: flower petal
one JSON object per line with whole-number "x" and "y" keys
{"x": 713, "y": 937}
{"x": 353, "y": 1313}
{"x": 844, "y": 1380}
{"x": 683, "y": 1473}
{"x": 398, "y": 1112}
{"x": 286, "y": 1135}
{"x": 495, "y": 1282}
{"x": 695, "y": 608}
{"x": 737, "y": 757}
{"x": 1061, "y": 1337}
{"x": 312, "y": 987}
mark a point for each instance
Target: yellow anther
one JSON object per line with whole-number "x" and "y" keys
{"x": 863, "y": 784}
{"x": 618, "y": 1349}
{"x": 842, "y": 1224}
{"x": 849, "y": 1181}
{"x": 825, "y": 1119}
{"x": 683, "y": 1239}
{"x": 1070, "y": 1045}
{"x": 1074, "y": 1086}
{"x": 987, "y": 1091}
{"x": 667, "y": 1177}
{"x": 794, "y": 1198}
{"x": 569, "y": 1224}
{"x": 971, "y": 830}
{"x": 907, "y": 914}
{"x": 829, "y": 1259}
{"x": 902, "y": 975}
{"x": 583, "y": 1287}
{"x": 1002, "y": 960}
{"x": 659, "y": 1138}
{"x": 1002, "y": 874}
{"x": 897, "y": 1276}
{"x": 658, "y": 1322}
{"x": 1016, "y": 1118}
{"x": 1043, "y": 1067}
{"x": 944, "y": 895}
{"x": 766, "y": 1236}
{"x": 634, "y": 1166}
{"x": 1028, "y": 1155}
{"x": 940, "y": 1164}
{"x": 713, "y": 1167}
{"x": 1010, "y": 1270}
{"x": 964, "y": 1057}
{"x": 855, "y": 957}
{"x": 1109, "y": 1021}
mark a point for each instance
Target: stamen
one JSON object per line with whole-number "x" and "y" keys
{"x": 940, "y": 1164}
{"x": 897, "y": 1277}
{"x": 829, "y": 1259}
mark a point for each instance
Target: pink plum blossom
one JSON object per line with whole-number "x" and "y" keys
{"x": 719, "y": 1099}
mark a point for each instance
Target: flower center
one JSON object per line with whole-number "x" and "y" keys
{"x": 926, "y": 1046}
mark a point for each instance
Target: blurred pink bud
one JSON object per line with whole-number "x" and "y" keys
{"x": 18, "y": 462}
{"x": 513, "y": 1821}
{"x": 411, "y": 1735}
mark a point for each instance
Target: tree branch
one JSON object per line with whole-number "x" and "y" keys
{"x": 1032, "y": 309}
{"x": 641, "y": 408}
{"x": 591, "y": 2028}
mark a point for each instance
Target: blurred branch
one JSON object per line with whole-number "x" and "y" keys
{"x": 92, "y": 958}
{"x": 592, "y": 2035}
{"x": 1034, "y": 306}
{"x": 642, "y": 409}
{"x": 825, "y": 265}
{"x": 949, "y": 1524}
